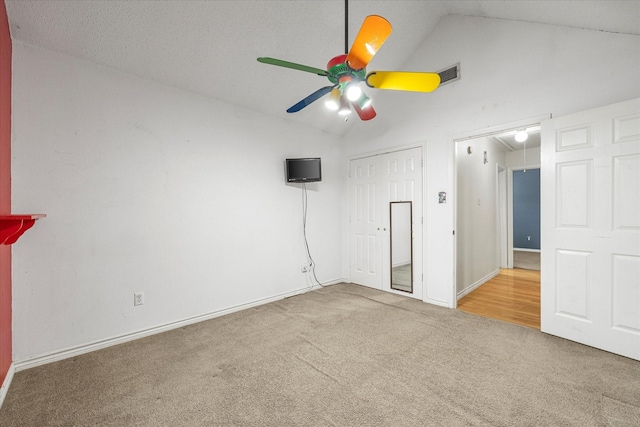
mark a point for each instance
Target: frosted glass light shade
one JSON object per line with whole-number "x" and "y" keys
{"x": 521, "y": 136}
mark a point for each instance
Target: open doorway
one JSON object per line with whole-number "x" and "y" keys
{"x": 490, "y": 278}
{"x": 526, "y": 218}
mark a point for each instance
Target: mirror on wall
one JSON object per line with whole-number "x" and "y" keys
{"x": 401, "y": 253}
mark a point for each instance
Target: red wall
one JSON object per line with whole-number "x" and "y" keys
{"x": 5, "y": 190}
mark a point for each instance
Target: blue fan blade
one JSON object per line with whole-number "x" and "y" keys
{"x": 309, "y": 99}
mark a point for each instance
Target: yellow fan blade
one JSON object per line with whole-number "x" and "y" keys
{"x": 403, "y": 80}
{"x": 374, "y": 31}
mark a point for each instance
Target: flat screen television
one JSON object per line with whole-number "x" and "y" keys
{"x": 303, "y": 170}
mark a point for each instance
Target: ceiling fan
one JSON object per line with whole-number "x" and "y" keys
{"x": 345, "y": 72}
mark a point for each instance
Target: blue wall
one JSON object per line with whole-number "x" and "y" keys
{"x": 526, "y": 209}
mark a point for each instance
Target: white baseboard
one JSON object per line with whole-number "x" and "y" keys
{"x": 477, "y": 284}
{"x": 21, "y": 365}
{"x": 526, "y": 250}
{"x": 436, "y": 302}
{"x": 6, "y": 383}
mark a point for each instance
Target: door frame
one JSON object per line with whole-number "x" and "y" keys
{"x": 502, "y": 200}
{"x": 510, "y": 204}
{"x": 469, "y": 135}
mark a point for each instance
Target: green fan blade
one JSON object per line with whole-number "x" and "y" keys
{"x": 287, "y": 64}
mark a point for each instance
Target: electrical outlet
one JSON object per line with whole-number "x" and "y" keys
{"x": 138, "y": 298}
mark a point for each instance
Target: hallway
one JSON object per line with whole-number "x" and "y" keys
{"x": 512, "y": 296}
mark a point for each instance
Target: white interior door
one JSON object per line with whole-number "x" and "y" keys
{"x": 374, "y": 182}
{"x": 366, "y": 222}
{"x": 402, "y": 178}
{"x": 590, "y": 218}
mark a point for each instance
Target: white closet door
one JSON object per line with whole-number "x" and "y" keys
{"x": 402, "y": 181}
{"x": 366, "y": 223}
{"x": 590, "y": 188}
{"x": 374, "y": 182}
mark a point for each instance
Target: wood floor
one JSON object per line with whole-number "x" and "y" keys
{"x": 512, "y": 296}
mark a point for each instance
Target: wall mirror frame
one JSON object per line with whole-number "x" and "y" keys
{"x": 401, "y": 245}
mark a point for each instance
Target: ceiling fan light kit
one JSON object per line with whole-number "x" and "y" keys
{"x": 364, "y": 101}
{"x": 333, "y": 103}
{"x": 353, "y": 92}
{"x": 344, "y": 107}
{"x": 346, "y": 71}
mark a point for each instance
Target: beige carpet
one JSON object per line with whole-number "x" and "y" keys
{"x": 344, "y": 355}
{"x": 527, "y": 260}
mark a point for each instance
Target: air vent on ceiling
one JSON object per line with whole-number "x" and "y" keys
{"x": 449, "y": 74}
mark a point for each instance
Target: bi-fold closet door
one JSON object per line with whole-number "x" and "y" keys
{"x": 385, "y": 212}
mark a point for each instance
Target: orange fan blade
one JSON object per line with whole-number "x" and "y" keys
{"x": 374, "y": 31}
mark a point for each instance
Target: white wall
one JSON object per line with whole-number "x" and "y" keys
{"x": 511, "y": 71}
{"x": 148, "y": 188}
{"x": 477, "y": 227}
{"x": 519, "y": 159}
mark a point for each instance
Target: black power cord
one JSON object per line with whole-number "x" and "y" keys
{"x": 310, "y": 261}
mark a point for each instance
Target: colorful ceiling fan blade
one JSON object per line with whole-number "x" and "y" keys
{"x": 293, "y": 65}
{"x": 403, "y": 80}
{"x": 309, "y": 99}
{"x": 366, "y": 113}
{"x": 374, "y": 31}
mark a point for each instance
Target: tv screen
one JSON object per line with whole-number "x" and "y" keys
{"x": 304, "y": 170}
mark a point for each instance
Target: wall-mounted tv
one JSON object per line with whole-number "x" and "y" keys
{"x": 303, "y": 170}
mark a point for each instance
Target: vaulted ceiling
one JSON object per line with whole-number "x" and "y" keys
{"x": 210, "y": 47}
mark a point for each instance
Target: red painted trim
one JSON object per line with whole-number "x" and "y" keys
{"x": 14, "y": 226}
{"x": 5, "y": 191}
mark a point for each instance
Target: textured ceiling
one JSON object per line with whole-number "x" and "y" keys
{"x": 210, "y": 47}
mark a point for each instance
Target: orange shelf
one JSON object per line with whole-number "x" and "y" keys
{"x": 14, "y": 226}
